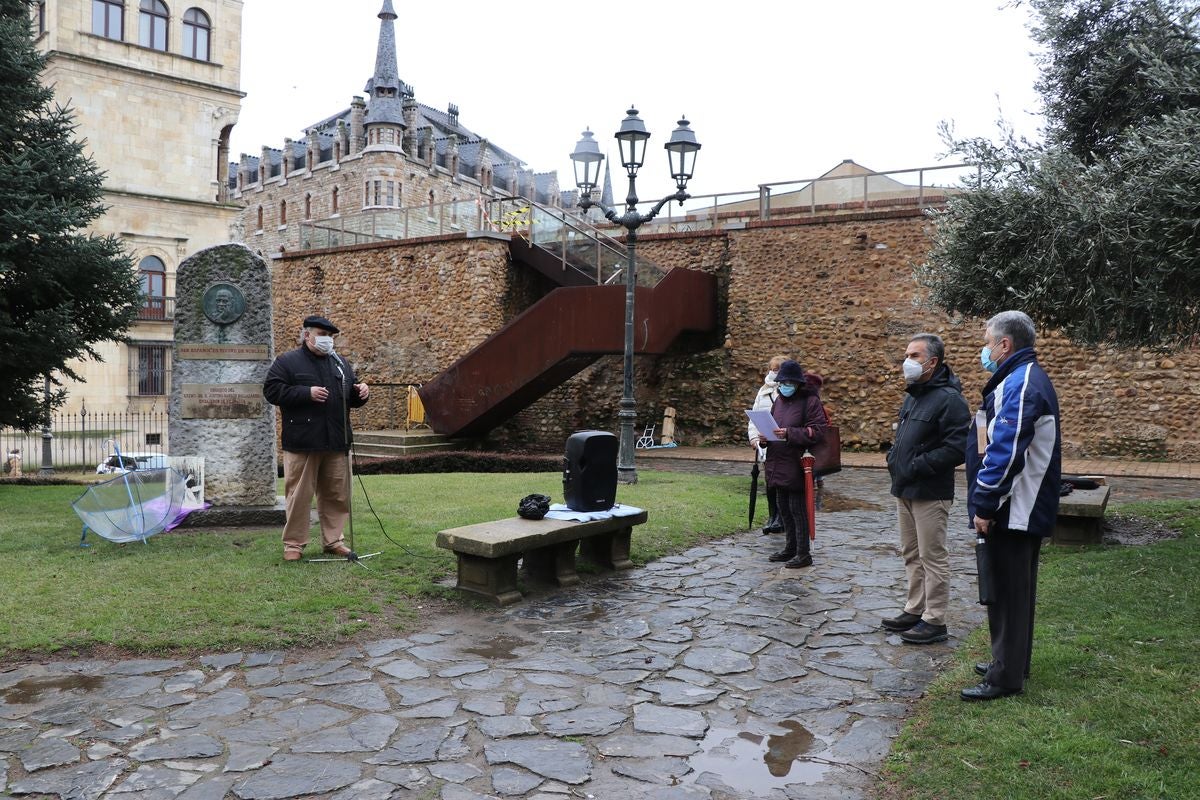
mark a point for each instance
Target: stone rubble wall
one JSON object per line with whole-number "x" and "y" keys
{"x": 838, "y": 294}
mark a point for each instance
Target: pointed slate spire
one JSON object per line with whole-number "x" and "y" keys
{"x": 385, "y": 90}
{"x": 606, "y": 195}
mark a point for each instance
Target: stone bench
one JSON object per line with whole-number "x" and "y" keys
{"x": 488, "y": 551}
{"x": 1081, "y": 516}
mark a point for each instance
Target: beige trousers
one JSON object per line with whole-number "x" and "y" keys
{"x": 327, "y": 475}
{"x": 923, "y": 546}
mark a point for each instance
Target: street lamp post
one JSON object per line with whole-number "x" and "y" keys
{"x": 681, "y": 152}
{"x": 47, "y": 467}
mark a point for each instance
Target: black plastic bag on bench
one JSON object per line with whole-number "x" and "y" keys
{"x": 533, "y": 506}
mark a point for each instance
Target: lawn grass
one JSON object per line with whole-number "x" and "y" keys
{"x": 1113, "y": 707}
{"x": 230, "y": 589}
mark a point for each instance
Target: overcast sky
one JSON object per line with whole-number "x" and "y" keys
{"x": 776, "y": 90}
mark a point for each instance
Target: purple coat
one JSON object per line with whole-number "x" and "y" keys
{"x": 805, "y": 419}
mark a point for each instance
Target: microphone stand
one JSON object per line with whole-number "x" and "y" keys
{"x": 353, "y": 557}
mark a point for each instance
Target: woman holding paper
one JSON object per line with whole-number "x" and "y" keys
{"x": 763, "y": 402}
{"x": 800, "y": 422}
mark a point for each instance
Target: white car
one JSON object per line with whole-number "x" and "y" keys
{"x": 132, "y": 461}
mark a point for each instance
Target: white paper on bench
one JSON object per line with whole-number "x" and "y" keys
{"x": 561, "y": 511}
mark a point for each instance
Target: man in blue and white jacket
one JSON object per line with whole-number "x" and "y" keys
{"x": 1014, "y": 467}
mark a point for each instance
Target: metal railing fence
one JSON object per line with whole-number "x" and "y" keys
{"x": 78, "y": 439}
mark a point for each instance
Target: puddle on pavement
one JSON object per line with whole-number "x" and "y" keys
{"x": 500, "y": 648}
{"x": 756, "y": 762}
{"x": 832, "y": 502}
{"x": 31, "y": 689}
{"x": 597, "y": 613}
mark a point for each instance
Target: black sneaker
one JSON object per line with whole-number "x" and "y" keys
{"x": 902, "y": 622}
{"x": 799, "y": 561}
{"x": 782, "y": 555}
{"x": 924, "y": 633}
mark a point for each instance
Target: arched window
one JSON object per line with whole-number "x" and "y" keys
{"x": 197, "y": 31}
{"x": 152, "y": 275}
{"x": 308, "y": 206}
{"x": 334, "y": 200}
{"x": 152, "y": 24}
{"x": 431, "y": 202}
{"x": 108, "y": 19}
{"x": 283, "y": 212}
{"x": 260, "y": 217}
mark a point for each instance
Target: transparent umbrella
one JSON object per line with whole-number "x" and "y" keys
{"x": 132, "y": 506}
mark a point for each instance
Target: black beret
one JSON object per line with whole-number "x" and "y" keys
{"x": 320, "y": 322}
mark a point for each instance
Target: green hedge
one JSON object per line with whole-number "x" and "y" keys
{"x": 458, "y": 461}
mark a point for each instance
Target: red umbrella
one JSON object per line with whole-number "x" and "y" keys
{"x": 810, "y": 501}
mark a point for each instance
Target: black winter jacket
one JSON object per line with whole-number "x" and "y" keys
{"x": 931, "y": 439}
{"x": 309, "y": 426}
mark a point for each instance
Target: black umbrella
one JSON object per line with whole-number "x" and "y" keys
{"x": 753, "y": 490}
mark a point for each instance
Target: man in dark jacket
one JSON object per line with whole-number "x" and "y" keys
{"x": 315, "y": 388}
{"x": 930, "y": 441}
{"x": 1014, "y": 471}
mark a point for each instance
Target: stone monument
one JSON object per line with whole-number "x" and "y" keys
{"x": 223, "y": 348}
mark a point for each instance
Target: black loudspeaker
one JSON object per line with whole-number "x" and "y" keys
{"x": 590, "y": 471}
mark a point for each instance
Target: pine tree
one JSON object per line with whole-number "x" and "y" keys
{"x": 62, "y": 291}
{"x": 1096, "y": 230}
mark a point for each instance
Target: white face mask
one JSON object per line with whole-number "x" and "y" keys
{"x": 913, "y": 370}
{"x": 771, "y": 376}
{"x": 323, "y": 344}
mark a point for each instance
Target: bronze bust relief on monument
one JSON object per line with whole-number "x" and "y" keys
{"x": 224, "y": 303}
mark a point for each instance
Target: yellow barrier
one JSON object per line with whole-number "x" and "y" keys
{"x": 416, "y": 409}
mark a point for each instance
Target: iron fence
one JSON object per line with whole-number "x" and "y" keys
{"x": 80, "y": 440}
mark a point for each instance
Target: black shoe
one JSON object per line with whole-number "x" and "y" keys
{"x": 986, "y": 691}
{"x": 902, "y": 622}
{"x": 924, "y": 633}
{"x": 799, "y": 561}
{"x": 782, "y": 555}
{"x": 773, "y": 526}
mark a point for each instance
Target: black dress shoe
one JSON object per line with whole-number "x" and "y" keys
{"x": 799, "y": 561}
{"x": 902, "y": 622}
{"x": 986, "y": 691}
{"x": 772, "y": 527}
{"x": 924, "y": 633}
{"x": 982, "y": 668}
{"x": 782, "y": 555}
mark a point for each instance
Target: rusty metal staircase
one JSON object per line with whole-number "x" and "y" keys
{"x": 568, "y": 329}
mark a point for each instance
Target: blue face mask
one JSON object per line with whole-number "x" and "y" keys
{"x": 787, "y": 389}
{"x": 985, "y": 358}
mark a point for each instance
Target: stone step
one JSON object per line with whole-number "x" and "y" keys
{"x": 416, "y": 437}
{"x": 391, "y": 447}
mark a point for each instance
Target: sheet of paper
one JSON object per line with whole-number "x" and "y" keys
{"x": 765, "y": 423}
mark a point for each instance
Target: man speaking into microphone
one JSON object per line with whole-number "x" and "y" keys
{"x": 315, "y": 389}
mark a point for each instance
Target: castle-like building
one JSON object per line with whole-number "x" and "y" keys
{"x": 354, "y": 170}
{"x": 154, "y": 86}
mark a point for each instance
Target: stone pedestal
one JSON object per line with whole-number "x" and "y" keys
{"x": 223, "y": 349}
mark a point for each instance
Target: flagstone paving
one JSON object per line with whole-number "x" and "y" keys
{"x": 708, "y": 674}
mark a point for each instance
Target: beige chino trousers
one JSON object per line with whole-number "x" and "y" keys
{"x": 326, "y": 474}
{"x": 926, "y": 561}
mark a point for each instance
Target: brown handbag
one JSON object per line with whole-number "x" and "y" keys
{"x": 827, "y": 453}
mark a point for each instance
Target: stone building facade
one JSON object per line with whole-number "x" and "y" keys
{"x": 843, "y": 301}
{"x": 155, "y": 93}
{"x": 382, "y": 167}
